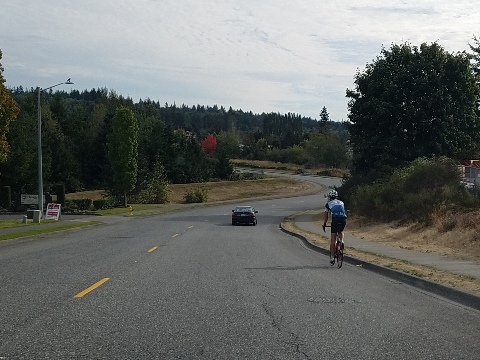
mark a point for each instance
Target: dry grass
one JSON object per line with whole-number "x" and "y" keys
{"x": 458, "y": 238}
{"x": 231, "y": 190}
{"x": 228, "y": 190}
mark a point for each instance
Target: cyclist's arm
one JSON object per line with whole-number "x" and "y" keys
{"x": 325, "y": 219}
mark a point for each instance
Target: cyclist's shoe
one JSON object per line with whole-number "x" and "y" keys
{"x": 332, "y": 261}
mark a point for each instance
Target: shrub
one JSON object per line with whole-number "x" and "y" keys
{"x": 410, "y": 193}
{"x": 448, "y": 225}
{"x": 332, "y": 172}
{"x": 154, "y": 190}
{"x": 102, "y": 204}
{"x": 197, "y": 195}
{"x": 79, "y": 204}
{"x": 246, "y": 176}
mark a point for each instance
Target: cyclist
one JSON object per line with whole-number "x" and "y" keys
{"x": 336, "y": 208}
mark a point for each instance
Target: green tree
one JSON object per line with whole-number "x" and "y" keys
{"x": 412, "y": 102}
{"x": 196, "y": 162}
{"x": 288, "y": 129}
{"x": 8, "y": 113}
{"x": 93, "y": 147}
{"x": 476, "y": 66}
{"x": 228, "y": 142}
{"x": 261, "y": 149}
{"x": 21, "y": 167}
{"x": 123, "y": 151}
{"x": 475, "y": 56}
{"x": 60, "y": 164}
{"x": 223, "y": 167}
{"x": 155, "y": 189}
{"x": 327, "y": 149}
{"x": 324, "y": 119}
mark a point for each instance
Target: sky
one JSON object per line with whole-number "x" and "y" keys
{"x": 256, "y": 55}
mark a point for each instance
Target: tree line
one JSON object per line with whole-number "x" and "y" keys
{"x": 411, "y": 102}
{"x": 81, "y": 132}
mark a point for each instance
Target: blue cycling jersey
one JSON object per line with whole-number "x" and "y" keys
{"x": 336, "y": 208}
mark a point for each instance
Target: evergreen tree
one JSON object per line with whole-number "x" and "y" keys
{"x": 324, "y": 119}
{"x": 476, "y": 56}
{"x": 123, "y": 151}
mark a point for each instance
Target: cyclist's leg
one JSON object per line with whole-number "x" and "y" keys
{"x": 341, "y": 227}
{"x": 332, "y": 242}
{"x": 333, "y": 237}
{"x": 332, "y": 247}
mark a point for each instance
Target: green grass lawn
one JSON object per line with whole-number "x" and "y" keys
{"x": 32, "y": 229}
{"x": 14, "y": 223}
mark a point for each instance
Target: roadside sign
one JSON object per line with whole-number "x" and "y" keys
{"x": 53, "y": 211}
{"x": 26, "y": 199}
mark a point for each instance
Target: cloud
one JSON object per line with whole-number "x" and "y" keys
{"x": 281, "y": 56}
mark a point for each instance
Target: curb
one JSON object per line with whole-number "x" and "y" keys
{"x": 455, "y": 295}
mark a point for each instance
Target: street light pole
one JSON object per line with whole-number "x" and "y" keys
{"x": 39, "y": 148}
{"x": 39, "y": 156}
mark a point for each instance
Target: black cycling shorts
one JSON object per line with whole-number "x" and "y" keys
{"x": 338, "y": 225}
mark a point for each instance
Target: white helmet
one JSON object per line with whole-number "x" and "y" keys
{"x": 332, "y": 194}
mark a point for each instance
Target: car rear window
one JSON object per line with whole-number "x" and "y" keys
{"x": 243, "y": 209}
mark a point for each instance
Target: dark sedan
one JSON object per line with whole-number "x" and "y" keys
{"x": 244, "y": 215}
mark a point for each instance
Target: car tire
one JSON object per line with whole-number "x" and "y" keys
{"x": 255, "y": 223}
{"x": 233, "y": 223}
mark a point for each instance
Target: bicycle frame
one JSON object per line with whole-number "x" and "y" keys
{"x": 338, "y": 255}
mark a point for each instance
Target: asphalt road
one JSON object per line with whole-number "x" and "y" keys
{"x": 191, "y": 286}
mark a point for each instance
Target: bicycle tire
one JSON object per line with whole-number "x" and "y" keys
{"x": 339, "y": 258}
{"x": 338, "y": 252}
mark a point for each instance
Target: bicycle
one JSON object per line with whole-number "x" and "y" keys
{"x": 339, "y": 246}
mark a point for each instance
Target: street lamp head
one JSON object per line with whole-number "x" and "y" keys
{"x": 68, "y": 82}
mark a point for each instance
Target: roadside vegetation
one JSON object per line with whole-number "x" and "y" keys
{"x": 292, "y": 167}
{"x": 181, "y": 195}
{"x": 409, "y": 132}
{"x": 424, "y": 190}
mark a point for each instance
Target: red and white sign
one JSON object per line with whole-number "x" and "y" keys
{"x": 53, "y": 212}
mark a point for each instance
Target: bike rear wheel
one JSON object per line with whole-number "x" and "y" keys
{"x": 339, "y": 252}
{"x": 339, "y": 258}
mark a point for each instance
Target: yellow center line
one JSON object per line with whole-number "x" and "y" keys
{"x": 175, "y": 235}
{"x": 153, "y": 249}
{"x": 91, "y": 288}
